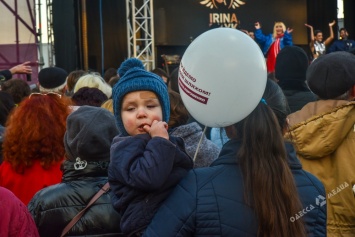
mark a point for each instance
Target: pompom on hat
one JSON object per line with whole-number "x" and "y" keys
{"x": 331, "y": 75}
{"x": 133, "y": 77}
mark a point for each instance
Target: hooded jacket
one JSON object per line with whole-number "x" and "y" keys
{"x": 323, "y": 133}
{"x": 209, "y": 201}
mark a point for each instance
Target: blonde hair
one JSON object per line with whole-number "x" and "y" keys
{"x": 108, "y": 105}
{"x": 276, "y": 24}
{"x": 93, "y": 81}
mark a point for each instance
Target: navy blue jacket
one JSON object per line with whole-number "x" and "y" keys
{"x": 209, "y": 201}
{"x": 341, "y": 45}
{"x": 142, "y": 173}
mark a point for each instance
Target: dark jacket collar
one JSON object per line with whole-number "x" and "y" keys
{"x": 230, "y": 149}
{"x": 92, "y": 169}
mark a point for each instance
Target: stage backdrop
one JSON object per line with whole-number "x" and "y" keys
{"x": 177, "y": 22}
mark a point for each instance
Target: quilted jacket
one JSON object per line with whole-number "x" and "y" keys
{"x": 142, "y": 173}
{"x": 209, "y": 201}
{"x": 54, "y": 207}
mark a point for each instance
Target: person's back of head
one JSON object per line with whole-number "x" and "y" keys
{"x": 72, "y": 78}
{"x": 133, "y": 77}
{"x": 7, "y": 104}
{"x": 95, "y": 81}
{"x": 162, "y": 73}
{"x": 174, "y": 80}
{"x": 277, "y": 101}
{"x": 332, "y": 76}
{"x": 109, "y": 73}
{"x": 263, "y": 161}
{"x": 17, "y": 88}
{"x": 52, "y": 79}
{"x": 89, "y": 96}
{"x": 35, "y": 130}
{"x": 89, "y": 134}
{"x": 291, "y": 67}
{"x": 108, "y": 104}
{"x": 178, "y": 112}
{"x": 113, "y": 81}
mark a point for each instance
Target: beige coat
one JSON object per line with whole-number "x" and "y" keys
{"x": 323, "y": 133}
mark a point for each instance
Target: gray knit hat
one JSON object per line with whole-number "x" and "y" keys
{"x": 89, "y": 134}
{"x": 133, "y": 77}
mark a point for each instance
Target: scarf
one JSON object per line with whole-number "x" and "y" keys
{"x": 272, "y": 54}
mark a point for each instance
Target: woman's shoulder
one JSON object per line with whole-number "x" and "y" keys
{"x": 62, "y": 194}
{"x": 201, "y": 176}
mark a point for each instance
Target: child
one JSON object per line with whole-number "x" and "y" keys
{"x": 146, "y": 163}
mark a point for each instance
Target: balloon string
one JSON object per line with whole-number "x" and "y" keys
{"x": 199, "y": 143}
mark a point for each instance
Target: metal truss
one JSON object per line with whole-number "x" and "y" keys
{"x": 29, "y": 25}
{"x": 50, "y": 33}
{"x": 140, "y": 31}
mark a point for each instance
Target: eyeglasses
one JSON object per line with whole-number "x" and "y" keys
{"x": 48, "y": 93}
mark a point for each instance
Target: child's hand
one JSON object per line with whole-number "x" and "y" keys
{"x": 157, "y": 129}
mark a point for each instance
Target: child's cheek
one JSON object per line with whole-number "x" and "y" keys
{"x": 128, "y": 124}
{"x": 158, "y": 118}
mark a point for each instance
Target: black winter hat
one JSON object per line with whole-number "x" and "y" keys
{"x": 52, "y": 77}
{"x": 291, "y": 66}
{"x": 89, "y": 134}
{"x": 331, "y": 75}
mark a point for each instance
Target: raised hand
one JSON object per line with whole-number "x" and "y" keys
{"x": 309, "y": 26}
{"x": 332, "y": 23}
{"x": 21, "y": 68}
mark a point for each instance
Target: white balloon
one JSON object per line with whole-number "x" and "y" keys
{"x": 222, "y": 77}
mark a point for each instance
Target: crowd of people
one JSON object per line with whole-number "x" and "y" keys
{"x": 120, "y": 155}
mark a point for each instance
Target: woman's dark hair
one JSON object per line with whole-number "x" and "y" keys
{"x": 269, "y": 186}
{"x": 178, "y": 112}
{"x": 316, "y": 32}
{"x": 109, "y": 73}
{"x": 89, "y": 96}
{"x": 162, "y": 73}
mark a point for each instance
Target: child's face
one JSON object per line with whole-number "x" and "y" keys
{"x": 140, "y": 108}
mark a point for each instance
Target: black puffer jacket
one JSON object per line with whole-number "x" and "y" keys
{"x": 53, "y": 207}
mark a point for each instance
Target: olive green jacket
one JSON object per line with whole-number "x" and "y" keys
{"x": 323, "y": 133}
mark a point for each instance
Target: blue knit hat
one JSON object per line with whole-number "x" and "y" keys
{"x": 133, "y": 77}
